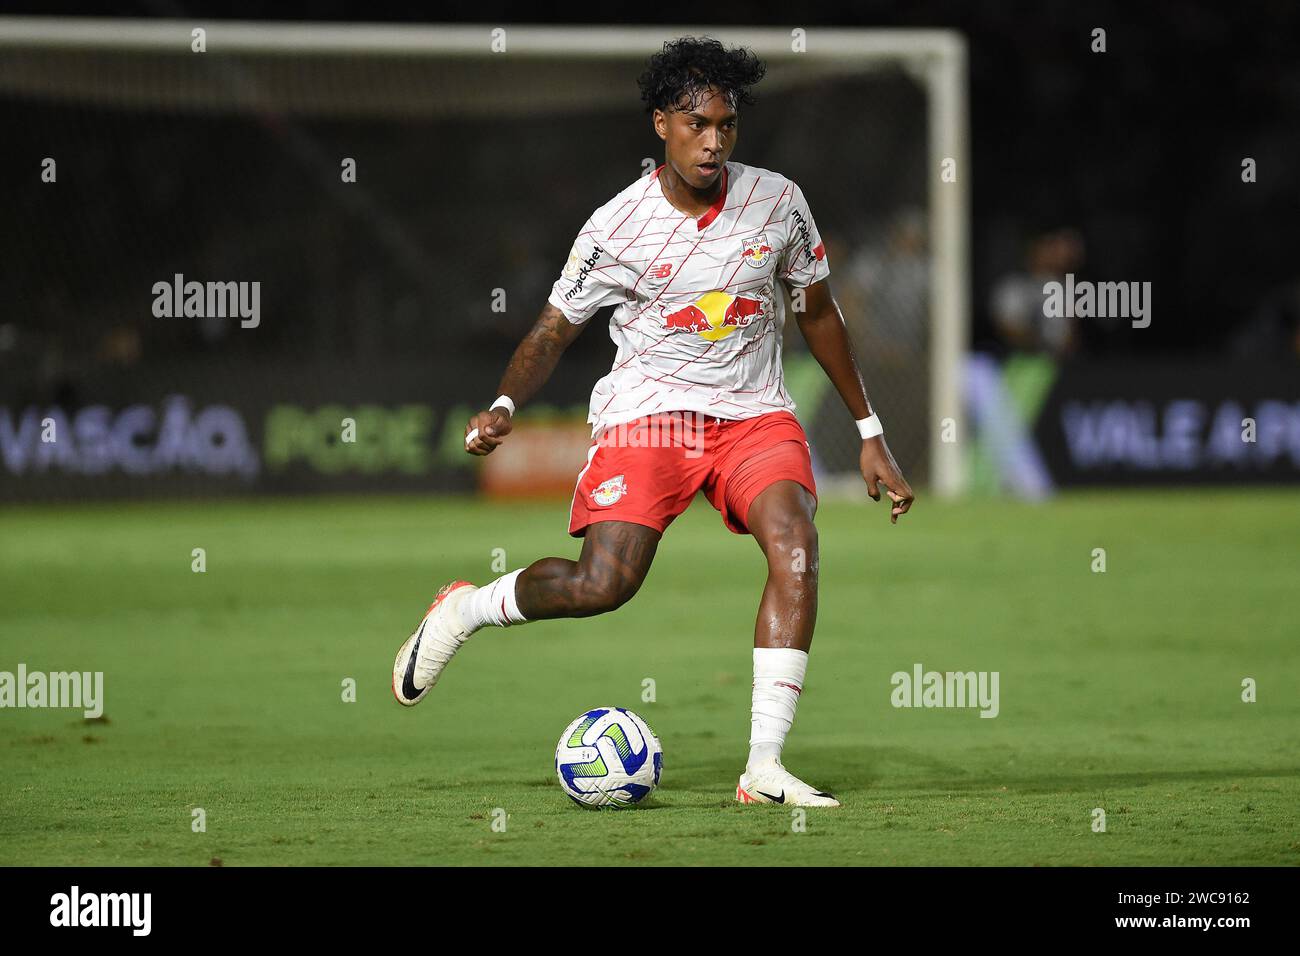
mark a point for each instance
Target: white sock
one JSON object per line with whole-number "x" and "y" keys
{"x": 778, "y": 682}
{"x": 493, "y": 604}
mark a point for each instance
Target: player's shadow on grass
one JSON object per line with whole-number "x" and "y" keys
{"x": 829, "y": 767}
{"x": 849, "y": 768}
{"x": 1090, "y": 782}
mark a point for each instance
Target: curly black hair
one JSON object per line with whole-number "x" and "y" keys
{"x": 688, "y": 66}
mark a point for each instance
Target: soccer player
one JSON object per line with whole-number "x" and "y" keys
{"x": 695, "y": 401}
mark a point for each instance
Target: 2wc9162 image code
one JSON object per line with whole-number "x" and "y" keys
{"x": 1190, "y": 896}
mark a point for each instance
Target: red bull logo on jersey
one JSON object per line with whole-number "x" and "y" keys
{"x": 714, "y": 315}
{"x": 754, "y": 251}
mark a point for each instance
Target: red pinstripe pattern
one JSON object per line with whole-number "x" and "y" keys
{"x": 737, "y": 375}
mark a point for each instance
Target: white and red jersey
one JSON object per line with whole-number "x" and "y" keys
{"x": 699, "y": 319}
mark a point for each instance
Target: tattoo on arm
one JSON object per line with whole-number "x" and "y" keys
{"x": 538, "y": 354}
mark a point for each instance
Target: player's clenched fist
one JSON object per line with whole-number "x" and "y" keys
{"x": 486, "y": 430}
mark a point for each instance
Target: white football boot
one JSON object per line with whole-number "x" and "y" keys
{"x": 769, "y": 782}
{"x": 421, "y": 659}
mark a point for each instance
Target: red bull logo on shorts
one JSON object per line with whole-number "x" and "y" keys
{"x": 714, "y": 315}
{"x": 608, "y": 492}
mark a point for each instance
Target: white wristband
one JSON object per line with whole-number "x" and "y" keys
{"x": 870, "y": 427}
{"x": 502, "y": 401}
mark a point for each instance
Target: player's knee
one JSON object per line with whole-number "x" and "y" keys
{"x": 599, "y": 596}
{"x": 792, "y": 546}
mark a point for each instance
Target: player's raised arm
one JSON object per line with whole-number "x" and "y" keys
{"x": 823, "y": 328}
{"x": 531, "y": 365}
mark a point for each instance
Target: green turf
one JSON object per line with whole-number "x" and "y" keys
{"x": 1119, "y": 690}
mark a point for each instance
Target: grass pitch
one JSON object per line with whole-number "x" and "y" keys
{"x": 224, "y": 690}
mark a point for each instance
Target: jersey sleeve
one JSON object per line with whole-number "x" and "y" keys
{"x": 590, "y": 279}
{"x": 803, "y": 260}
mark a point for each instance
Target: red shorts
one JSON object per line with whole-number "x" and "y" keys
{"x": 649, "y": 470}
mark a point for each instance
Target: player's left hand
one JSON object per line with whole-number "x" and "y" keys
{"x": 879, "y": 468}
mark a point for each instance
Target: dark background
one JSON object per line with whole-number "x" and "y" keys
{"x": 1139, "y": 148}
{"x": 1122, "y": 166}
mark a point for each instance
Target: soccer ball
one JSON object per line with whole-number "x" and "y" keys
{"x": 608, "y": 757}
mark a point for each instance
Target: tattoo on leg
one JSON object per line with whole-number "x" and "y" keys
{"x": 615, "y": 558}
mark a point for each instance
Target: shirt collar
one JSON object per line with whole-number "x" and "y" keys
{"x": 714, "y": 210}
